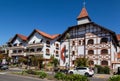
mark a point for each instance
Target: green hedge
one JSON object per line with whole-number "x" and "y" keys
{"x": 114, "y": 78}
{"x": 70, "y": 77}
{"x": 103, "y": 69}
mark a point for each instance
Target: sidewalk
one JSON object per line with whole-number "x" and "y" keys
{"x": 102, "y": 75}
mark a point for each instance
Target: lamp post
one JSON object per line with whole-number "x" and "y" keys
{"x": 68, "y": 37}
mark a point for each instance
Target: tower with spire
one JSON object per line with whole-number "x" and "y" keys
{"x": 83, "y": 16}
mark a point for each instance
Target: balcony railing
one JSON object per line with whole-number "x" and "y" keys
{"x": 16, "y": 47}
{"x": 35, "y": 45}
{"x": 34, "y": 53}
{"x": 17, "y": 54}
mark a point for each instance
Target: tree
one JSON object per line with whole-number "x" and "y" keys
{"x": 54, "y": 61}
{"x": 81, "y": 62}
{"x": 1, "y": 57}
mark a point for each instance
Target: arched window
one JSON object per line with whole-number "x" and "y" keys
{"x": 104, "y": 51}
{"x": 79, "y": 42}
{"x": 83, "y": 42}
{"x": 32, "y": 50}
{"x": 39, "y": 49}
{"x": 47, "y": 42}
{"x": 19, "y": 51}
{"x": 104, "y": 40}
{"x": 14, "y": 51}
{"x": 73, "y": 43}
{"x": 57, "y": 46}
{"x": 73, "y": 53}
{"x": 91, "y": 62}
{"x": 90, "y": 52}
{"x": 47, "y": 51}
{"x": 90, "y": 41}
{"x": 104, "y": 62}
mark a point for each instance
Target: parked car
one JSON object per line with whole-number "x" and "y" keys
{"x": 3, "y": 67}
{"x": 82, "y": 71}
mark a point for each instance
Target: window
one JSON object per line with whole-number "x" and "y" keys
{"x": 32, "y": 50}
{"x": 79, "y": 42}
{"x": 104, "y": 40}
{"x": 90, "y": 52}
{"x": 90, "y": 41}
{"x": 73, "y": 43}
{"x": 34, "y": 42}
{"x": 39, "y": 49}
{"x": 91, "y": 62}
{"x": 104, "y": 51}
{"x": 15, "y": 44}
{"x": 73, "y": 53}
{"x": 41, "y": 40}
{"x": 19, "y": 51}
{"x": 104, "y": 62}
{"x": 83, "y": 42}
{"x": 20, "y": 44}
{"x": 47, "y": 51}
{"x": 14, "y": 51}
{"x": 57, "y": 46}
{"x": 57, "y": 55}
{"x": 48, "y": 43}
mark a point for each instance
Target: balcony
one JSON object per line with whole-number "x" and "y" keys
{"x": 35, "y": 45}
{"x": 16, "y": 47}
{"x": 34, "y": 53}
{"x": 17, "y": 54}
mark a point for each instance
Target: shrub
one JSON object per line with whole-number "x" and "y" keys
{"x": 114, "y": 78}
{"x": 59, "y": 76}
{"x": 103, "y": 70}
{"x": 76, "y": 77}
{"x": 30, "y": 72}
{"x": 42, "y": 75}
{"x": 70, "y": 77}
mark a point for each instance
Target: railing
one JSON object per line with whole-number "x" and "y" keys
{"x": 35, "y": 45}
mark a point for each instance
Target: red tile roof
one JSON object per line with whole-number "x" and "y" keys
{"x": 24, "y": 38}
{"x": 83, "y": 13}
{"x": 47, "y": 35}
{"x": 118, "y": 37}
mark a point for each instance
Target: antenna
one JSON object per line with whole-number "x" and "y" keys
{"x": 84, "y": 3}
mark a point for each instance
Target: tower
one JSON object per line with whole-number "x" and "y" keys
{"x": 83, "y": 16}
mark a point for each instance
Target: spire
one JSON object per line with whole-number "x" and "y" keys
{"x": 83, "y": 16}
{"x": 83, "y": 13}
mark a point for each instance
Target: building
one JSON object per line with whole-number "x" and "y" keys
{"x": 37, "y": 43}
{"x": 86, "y": 39}
{"x": 90, "y": 40}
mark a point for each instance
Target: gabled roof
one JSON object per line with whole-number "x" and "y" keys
{"x": 44, "y": 34}
{"x": 22, "y": 37}
{"x": 83, "y": 14}
{"x": 82, "y": 25}
{"x": 118, "y": 37}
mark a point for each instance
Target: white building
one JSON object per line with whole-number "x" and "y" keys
{"x": 37, "y": 43}
{"x": 90, "y": 40}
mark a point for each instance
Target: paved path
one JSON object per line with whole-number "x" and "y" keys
{"x": 9, "y": 77}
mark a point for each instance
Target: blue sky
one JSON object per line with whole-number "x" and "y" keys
{"x": 53, "y": 16}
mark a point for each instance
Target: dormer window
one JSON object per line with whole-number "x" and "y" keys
{"x": 15, "y": 44}
{"x": 20, "y": 44}
{"x": 41, "y": 40}
{"x": 34, "y": 42}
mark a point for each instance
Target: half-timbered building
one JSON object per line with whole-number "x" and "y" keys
{"x": 90, "y": 40}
